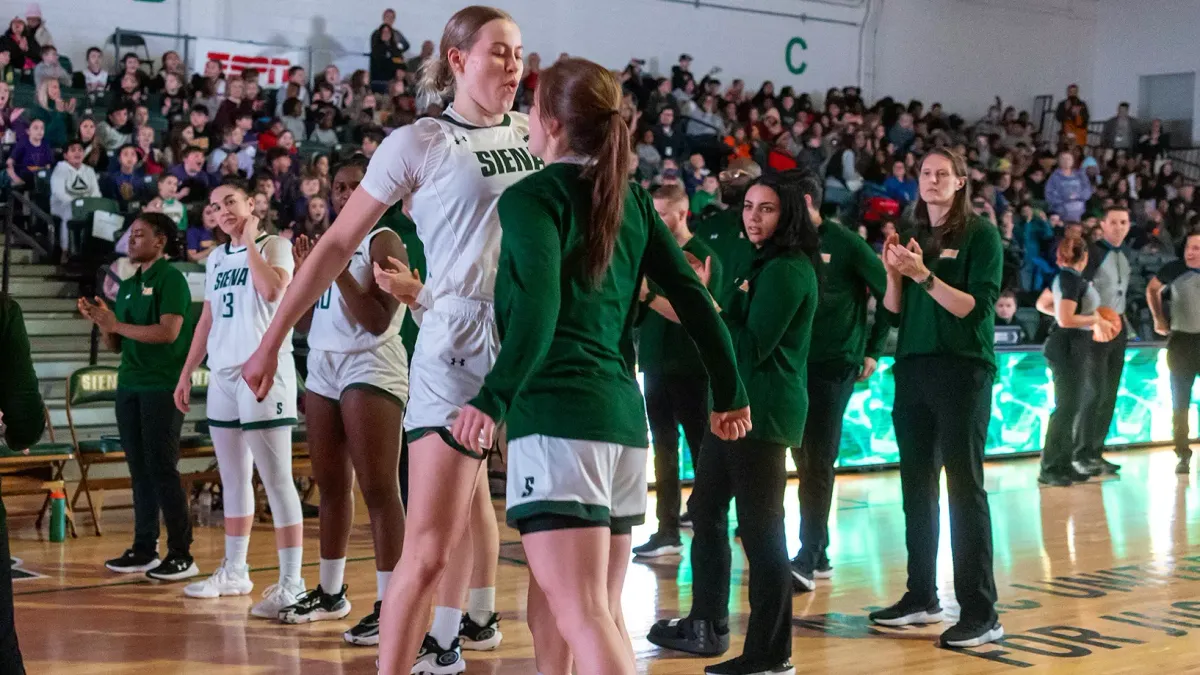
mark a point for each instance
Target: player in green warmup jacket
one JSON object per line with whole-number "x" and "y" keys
{"x": 843, "y": 351}
{"x": 22, "y": 424}
{"x": 723, "y": 231}
{"x": 578, "y": 240}
{"x": 771, "y": 321}
{"x": 674, "y": 380}
{"x": 943, "y": 281}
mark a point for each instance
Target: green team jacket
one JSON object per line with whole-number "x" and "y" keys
{"x": 664, "y": 347}
{"x": 566, "y": 362}
{"x": 973, "y": 263}
{"x": 771, "y": 320}
{"x": 851, "y": 273}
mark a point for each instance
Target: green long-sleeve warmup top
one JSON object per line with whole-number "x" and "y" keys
{"x": 971, "y": 262}
{"x": 725, "y": 235}
{"x": 566, "y": 362}
{"x": 770, "y": 318}
{"x": 20, "y": 398}
{"x": 851, "y": 273}
{"x": 664, "y": 347}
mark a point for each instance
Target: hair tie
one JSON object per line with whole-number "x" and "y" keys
{"x": 612, "y": 112}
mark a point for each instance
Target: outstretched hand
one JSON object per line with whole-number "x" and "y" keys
{"x": 401, "y": 283}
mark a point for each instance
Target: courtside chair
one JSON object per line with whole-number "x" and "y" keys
{"x": 16, "y": 477}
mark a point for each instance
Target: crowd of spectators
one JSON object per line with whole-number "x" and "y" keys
{"x": 158, "y": 137}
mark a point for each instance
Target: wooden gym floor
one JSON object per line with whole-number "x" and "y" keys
{"x": 1099, "y": 578}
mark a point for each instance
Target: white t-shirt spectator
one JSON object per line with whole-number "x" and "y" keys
{"x": 68, "y": 184}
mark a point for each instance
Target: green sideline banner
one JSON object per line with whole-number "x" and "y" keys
{"x": 1022, "y": 400}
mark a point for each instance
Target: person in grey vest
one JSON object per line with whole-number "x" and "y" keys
{"x": 1109, "y": 270}
{"x": 1182, "y": 279}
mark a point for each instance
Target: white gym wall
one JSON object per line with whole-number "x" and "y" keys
{"x": 959, "y": 52}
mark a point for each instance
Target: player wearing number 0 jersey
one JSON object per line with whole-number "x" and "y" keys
{"x": 244, "y": 282}
{"x": 357, "y": 388}
{"x": 343, "y": 354}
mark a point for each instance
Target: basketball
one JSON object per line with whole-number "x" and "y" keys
{"x": 1110, "y": 315}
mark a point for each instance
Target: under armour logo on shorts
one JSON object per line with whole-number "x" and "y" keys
{"x": 457, "y": 362}
{"x": 528, "y": 486}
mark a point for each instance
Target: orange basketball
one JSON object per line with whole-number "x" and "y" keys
{"x": 1110, "y": 315}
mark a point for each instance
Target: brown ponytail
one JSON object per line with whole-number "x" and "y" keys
{"x": 585, "y": 98}
{"x": 436, "y": 76}
{"x": 1071, "y": 249}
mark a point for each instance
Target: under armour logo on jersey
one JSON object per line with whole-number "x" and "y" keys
{"x": 459, "y": 140}
{"x": 528, "y": 486}
{"x": 457, "y": 362}
{"x": 525, "y": 138}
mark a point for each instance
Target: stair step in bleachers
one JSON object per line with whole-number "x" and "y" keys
{"x": 37, "y": 326}
{"x": 33, "y": 288}
{"x": 20, "y": 256}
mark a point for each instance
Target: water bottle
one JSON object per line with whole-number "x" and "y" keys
{"x": 58, "y": 516}
{"x": 203, "y": 509}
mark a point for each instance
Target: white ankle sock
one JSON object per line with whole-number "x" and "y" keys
{"x": 446, "y": 622}
{"x": 381, "y": 583}
{"x": 236, "y": 549}
{"x": 289, "y": 564}
{"x": 481, "y": 603}
{"x": 333, "y": 573}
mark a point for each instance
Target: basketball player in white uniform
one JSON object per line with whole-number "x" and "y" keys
{"x": 357, "y": 387}
{"x": 452, "y": 170}
{"x": 244, "y": 281}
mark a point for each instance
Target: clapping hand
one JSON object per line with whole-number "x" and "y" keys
{"x": 98, "y": 313}
{"x": 401, "y": 283}
{"x": 907, "y": 260}
{"x": 301, "y": 248}
{"x": 703, "y": 270}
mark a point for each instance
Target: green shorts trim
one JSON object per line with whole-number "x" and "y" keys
{"x": 570, "y": 513}
{"x": 374, "y": 389}
{"x": 625, "y": 524}
{"x": 414, "y": 435}
{"x": 225, "y": 424}
{"x": 270, "y": 424}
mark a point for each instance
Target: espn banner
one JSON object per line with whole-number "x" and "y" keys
{"x": 271, "y": 61}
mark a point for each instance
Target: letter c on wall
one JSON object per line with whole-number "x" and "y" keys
{"x": 787, "y": 55}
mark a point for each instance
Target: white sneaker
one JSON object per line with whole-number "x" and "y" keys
{"x": 225, "y": 580}
{"x": 276, "y": 598}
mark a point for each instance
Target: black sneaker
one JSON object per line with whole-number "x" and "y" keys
{"x": 480, "y": 637}
{"x": 908, "y": 612}
{"x": 685, "y": 520}
{"x": 316, "y": 605}
{"x": 660, "y": 544}
{"x": 962, "y": 635}
{"x": 694, "y": 636}
{"x": 824, "y": 570}
{"x": 743, "y": 666}
{"x": 132, "y": 562}
{"x": 366, "y": 632}
{"x": 802, "y": 577}
{"x": 1076, "y": 476}
{"x": 1053, "y": 480}
{"x": 1184, "y": 467}
{"x": 433, "y": 660}
{"x": 174, "y": 568}
{"x": 1107, "y": 468}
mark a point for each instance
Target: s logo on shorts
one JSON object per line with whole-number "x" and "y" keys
{"x": 528, "y": 487}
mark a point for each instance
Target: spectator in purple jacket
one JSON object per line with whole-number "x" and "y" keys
{"x": 1068, "y": 190}
{"x": 194, "y": 182}
{"x": 30, "y": 155}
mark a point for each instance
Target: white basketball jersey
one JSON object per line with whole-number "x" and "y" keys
{"x": 240, "y": 315}
{"x": 334, "y": 328}
{"x": 455, "y": 173}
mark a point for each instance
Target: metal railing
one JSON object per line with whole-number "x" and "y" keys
{"x": 14, "y": 234}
